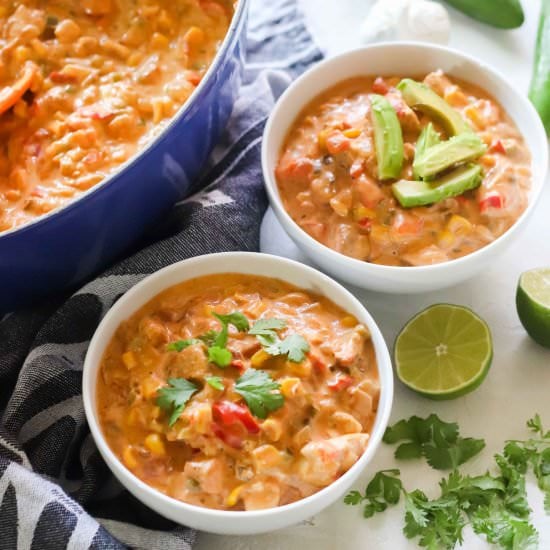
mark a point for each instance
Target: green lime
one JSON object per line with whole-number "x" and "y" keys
{"x": 443, "y": 352}
{"x": 533, "y": 304}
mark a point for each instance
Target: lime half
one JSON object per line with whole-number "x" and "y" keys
{"x": 443, "y": 352}
{"x": 533, "y": 304}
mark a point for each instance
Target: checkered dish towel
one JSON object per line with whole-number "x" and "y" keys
{"x": 55, "y": 490}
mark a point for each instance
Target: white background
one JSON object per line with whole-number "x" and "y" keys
{"x": 518, "y": 384}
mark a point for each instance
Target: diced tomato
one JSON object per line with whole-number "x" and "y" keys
{"x": 365, "y": 223}
{"x": 238, "y": 364}
{"x": 380, "y": 86}
{"x": 318, "y": 364}
{"x": 229, "y": 413}
{"x": 493, "y": 199}
{"x": 61, "y": 78}
{"x": 97, "y": 111}
{"x": 193, "y": 77}
{"x": 340, "y": 382}
{"x": 229, "y": 438}
{"x": 497, "y": 147}
{"x": 298, "y": 168}
{"x": 356, "y": 168}
{"x": 407, "y": 224}
{"x": 337, "y": 143}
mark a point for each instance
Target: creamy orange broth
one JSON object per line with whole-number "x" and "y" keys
{"x": 85, "y": 84}
{"x": 330, "y": 398}
{"x": 327, "y": 177}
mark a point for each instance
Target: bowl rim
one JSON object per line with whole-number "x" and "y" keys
{"x": 131, "y": 302}
{"x": 233, "y": 30}
{"x": 297, "y": 233}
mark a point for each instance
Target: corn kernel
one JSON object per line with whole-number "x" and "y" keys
{"x": 272, "y": 429}
{"x": 155, "y": 444}
{"x": 234, "y": 495}
{"x": 303, "y": 369}
{"x": 322, "y": 138}
{"x": 149, "y": 387}
{"x": 445, "y": 239}
{"x": 266, "y": 457}
{"x": 194, "y": 37}
{"x": 259, "y": 358}
{"x": 474, "y": 115}
{"x": 291, "y": 387}
{"x": 459, "y": 225}
{"x": 349, "y": 321}
{"x": 202, "y": 418}
{"x": 352, "y": 133}
{"x": 21, "y": 54}
{"x": 455, "y": 97}
{"x": 488, "y": 161}
{"x": 129, "y": 360}
{"x": 129, "y": 458}
{"x": 362, "y": 212}
{"x": 159, "y": 41}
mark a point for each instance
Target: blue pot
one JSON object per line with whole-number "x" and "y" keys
{"x": 63, "y": 248}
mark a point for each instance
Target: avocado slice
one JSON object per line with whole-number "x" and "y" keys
{"x": 420, "y": 193}
{"x": 456, "y": 150}
{"x": 423, "y": 98}
{"x": 388, "y": 138}
{"x": 428, "y": 138}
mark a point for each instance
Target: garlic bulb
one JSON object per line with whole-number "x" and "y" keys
{"x": 422, "y": 20}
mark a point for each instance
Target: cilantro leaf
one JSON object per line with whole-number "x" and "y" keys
{"x": 237, "y": 319}
{"x": 294, "y": 346}
{"x": 172, "y": 399}
{"x": 180, "y": 345}
{"x": 260, "y": 392}
{"x": 438, "y": 441}
{"x": 535, "y": 424}
{"x": 219, "y": 356}
{"x": 353, "y": 498}
{"x": 266, "y": 327}
{"x": 215, "y": 382}
{"x": 208, "y": 337}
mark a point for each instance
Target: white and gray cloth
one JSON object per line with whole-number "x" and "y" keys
{"x": 55, "y": 490}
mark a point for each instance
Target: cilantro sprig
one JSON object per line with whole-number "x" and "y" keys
{"x": 294, "y": 346}
{"x": 215, "y": 382}
{"x": 438, "y": 441}
{"x": 260, "y": 392}
{"x": 173, "y": 398}
{"x": 495, "y": 505}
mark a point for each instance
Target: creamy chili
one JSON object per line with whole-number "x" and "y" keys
{"x": 217, "y": 452}
{"x": 84, "y": 85}
{"x": 327, "y": 176}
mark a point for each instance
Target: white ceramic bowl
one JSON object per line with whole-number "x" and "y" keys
{"x": 216, "y": 521}
{"x": 406, "y": 59}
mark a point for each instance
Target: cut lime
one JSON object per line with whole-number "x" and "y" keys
{"x": 443, "y": 352}
{"x": 533, "y": 304}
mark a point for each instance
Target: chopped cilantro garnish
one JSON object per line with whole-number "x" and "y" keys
{"x": 260, "y": 392}
{"x": 294, "y": 345}
{"x": 180, "y": 345}
{"x": 219, "y": 356}
{"x": 215, "y": 382}
{"x": 173, "y": 398}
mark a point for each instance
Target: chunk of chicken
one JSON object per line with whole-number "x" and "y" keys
{"x": 350, "y": 345}
{"x": 210, "y": 474}
{"x": 261, "y": 494}
{"x": 190, "y": 363}
{"x": 324, "y": 461}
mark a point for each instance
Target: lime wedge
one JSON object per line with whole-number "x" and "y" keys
{"x": 533, "y": 304}
{"x": 443, "y": 352}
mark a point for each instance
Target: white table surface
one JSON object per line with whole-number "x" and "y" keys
{"x": 518, "y": 384}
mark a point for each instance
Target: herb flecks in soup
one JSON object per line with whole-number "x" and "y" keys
{"x": 84, "y": 85}
{"x": 238, "y": 392}
{"x": 398, "y": 172}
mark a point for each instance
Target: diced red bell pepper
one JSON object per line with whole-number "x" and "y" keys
{"x": 497, "y": 147}
{"x": 365, "y": 223}
{"x": 337, "y": 143}
{"x": 340, "y": 382}
{"x": 493, "y": 199}
{"x": 193, "y": 77}
{"x": 228, "y": 437}
{"x": 356, "y": 168}
{"x": 238, "y": 364}
{"x": 228, "y": 413}
{"x": 318, "y": 364}
{"x": 380, "y": 86}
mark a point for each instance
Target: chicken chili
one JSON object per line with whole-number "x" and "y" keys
{"x": 84, "y": 85}
{"x": 401, "y": 172}
{"x": 238, "y": 392}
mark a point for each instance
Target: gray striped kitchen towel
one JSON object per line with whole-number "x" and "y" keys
{"x": 55, "y": 490}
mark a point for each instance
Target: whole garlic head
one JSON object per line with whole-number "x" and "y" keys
{"x": 422, "y": 20}
{"x": 427, "y": 21}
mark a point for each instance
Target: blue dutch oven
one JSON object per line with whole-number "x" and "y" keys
{"x": 63, "y": 248}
